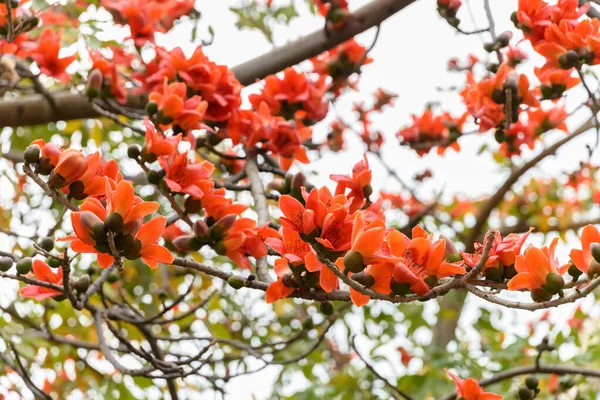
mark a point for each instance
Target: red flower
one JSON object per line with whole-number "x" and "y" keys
{"x": 582, "y": 258}
{"x": 93, "y": 179}
{"x": 71, "y": 165}
{"x": 534, "y": 267}
{"x": 157, "y": 143}
{"x": 554, "y": 82}
{"x": 469, "y": 389}
{"x": 428, "y": 131}
{"x": 110, "y": 75}
{"x": 183, "y": 176}
{"x": 216, "y": 84}
{"x": 418, "y": 258}
{"x": 46, "y": 56}
{"x": 43, "y": 273}
{"x": 133, "y": 239}
{"x": 359, "y": 184}
{"x": 485, "y": 100}
{"x": 174, "y": 107}
{"x": 293, "y": 97}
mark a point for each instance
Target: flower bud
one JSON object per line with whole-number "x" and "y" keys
{"x": 201, "y": 229}
{"x": 532, "y": 382}
{"x": 133, "y": 252}
{"x": 133, "y": 151}
{"x": 220, "y": 248}
{"x": 44, "y": 166}
{"x": 192, "y": 205}
{"x": 24, "y": 265}
{"x": 89, "y": 220}
{"x": 399, "y": 288}
{"x": 94, "y": 83}
{"x": 77, "y": 190}
{"x": 495, "y": 274}
{"x": 525, "y": 393}
{"x": 220, "y": 227}
{"x": 6, "y": 263}
{"x": 574, "y": 271}
{"x": 540, "y": 295}
{"x": 53, "y": 262}
{"x": 431, "y": 280}
{"x": 326, "y": 307}
{"x": 184, "y": 243}
{"x": 32, "y": 154}
{"x": 353, "y": 262}
{"x": 554, "y": 283}
{"x": 593, "y": 269}
{"x": 367, "y": 191}
{"x": 236, "y": 282}
{"x": 47, "y": 243}
{"x": 298, "y": 181}
{"x": 114, "y": 222}
{"x": 82, "y": 284}
{"x": 595, "y": 250}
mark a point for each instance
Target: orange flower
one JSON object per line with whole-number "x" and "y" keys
{"x": 217, "y": 205}
{"x": 149, "y": 250}
{"x": 538, "y": 269}
{"x": 428, "y": 131}
{"x": 71, "y": 165}
{"x": 366, "y": 240}
{"x": 419, "y": 258}
{"x": 583, "y": 38}
{"x": 533, "y": 16}
{"x": 43, "y": 273}
{"x": 216, "y": 84}
{"x": 157, "y": 143}
{"x": 244, "y": 238}
{"x": 469, "y": 389}
{"x": 92, "y": 182}
{"x": 359, "y": 183}
{"x": 485, "y": 100}
{"x": 124, "y": 202}
{"x": 293, "y": 97}
{"x": 133, "y": 239}
{"x": 509, "y": 247}
{"x": 183, "y": 176}
{"x": 46, "y": 56}
{"x": 582, "y": 258}
{"x": 174, "y": 107}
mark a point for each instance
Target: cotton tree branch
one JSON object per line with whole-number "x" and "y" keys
{"x": 257, "y": 189}
{"x": 35, "y": 110}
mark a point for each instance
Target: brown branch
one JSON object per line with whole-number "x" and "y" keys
{"x": 50, "y": 191}
{"x": 257, "y": 189}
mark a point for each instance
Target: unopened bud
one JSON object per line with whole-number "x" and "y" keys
{"x": 222, "y": 226}
{"x": 32, "y": 154}
{"x": 298, "y": 180}
{"x": 201, "y": 229}
{"x": 540, "y": 295}
{"x": 94, "y": 83}
{"x": 236, "y": 282}
{"x": 554, "y": 283}
{"x": 114, "y": 222}
{"x": 82, "y": 284}
{"x": 192, "y": 205}
{"x": 353, "y": 262}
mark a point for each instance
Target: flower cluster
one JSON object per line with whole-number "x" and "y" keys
{"x": 429, "y": 130}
